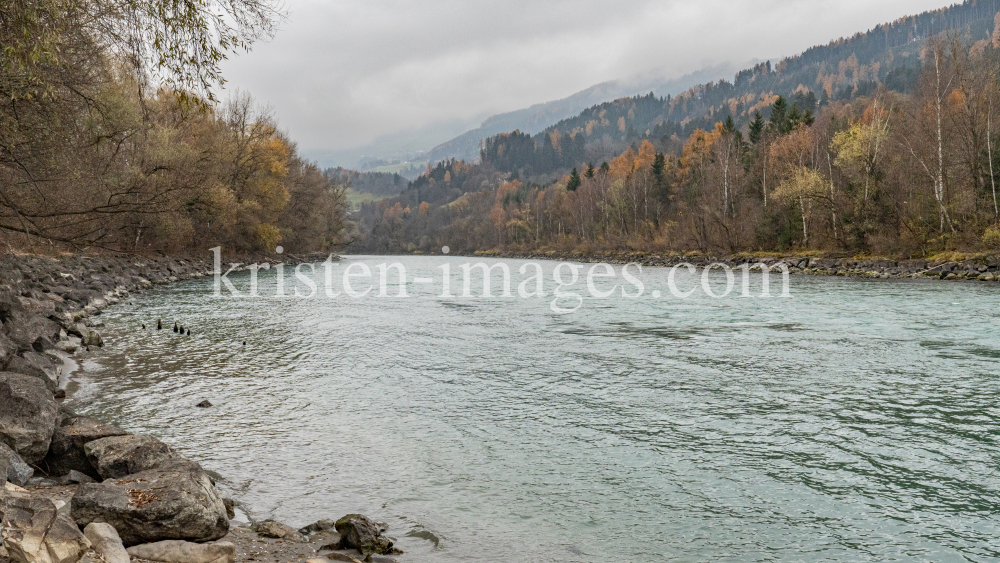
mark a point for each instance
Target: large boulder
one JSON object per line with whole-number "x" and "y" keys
{"x": 29, "y": 416}
{"x": 118, "y": 456}
{"x": 175, "y": 502}
{"x": 36, "y": 365}
{"x": 35, "y": 532}
{"x": 106, "y": 542}
{"x": 25, "y": 328}
{"x": 178, "y": 551}
{"x": 363, "y": 534}
{"x": 66, "y": 451}
{"x": 10, "y": 310}
{"x": 13, "y": 468}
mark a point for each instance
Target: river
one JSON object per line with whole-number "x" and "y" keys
{"x": 852, "y": 421}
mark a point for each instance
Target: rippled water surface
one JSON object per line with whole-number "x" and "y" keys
{"x": 855, "y": 421}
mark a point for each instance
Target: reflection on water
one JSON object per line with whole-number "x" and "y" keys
{"x": 857, "y": 421}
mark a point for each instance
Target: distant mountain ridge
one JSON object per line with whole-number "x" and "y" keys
{"x": 888, "y": 55}
{"x": 538, "y": 117}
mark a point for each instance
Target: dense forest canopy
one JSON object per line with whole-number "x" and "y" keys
{"x": 111, "y": 133}
{"x": 375, "y": 183}
{"x": 883, "y": 143}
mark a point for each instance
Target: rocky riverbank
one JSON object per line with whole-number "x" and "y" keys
{"x": 75, "y": 488}
{"x": 981, "y": 268}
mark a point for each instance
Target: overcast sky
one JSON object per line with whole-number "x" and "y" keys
{"x": 341, "y": 72}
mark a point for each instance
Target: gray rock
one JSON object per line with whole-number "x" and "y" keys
{"x": 105, "y": 541}
{"x": 36, "y": 365}
{"x": 118, "y": 456}
{"x": 75, "y": 477}
{"x": 34, "y": 532}
{"x": 363, "y": 534}
{"x": 27, "y": 328}
{"x": 42, "y": 343}
{"x": 204, "y": 404}
{"x": 230, "y": 508}
{"x": 28, "y": 418}
{"x": 92, "y": 339}
{"x": 7, "y": 349}
{"x": 66, "y": 452}
{"x": 62, "y": 507}
{"x": 177, "y": 502}
{"x": 319, "y": 526}
{"x": 13, "y": 467}
{"x": 272, "y": 529}
{"x": 78, "y": 329}
{"x": 178, "y": 551}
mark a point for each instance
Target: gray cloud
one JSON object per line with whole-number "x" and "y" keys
{"x": 339, "y": 74}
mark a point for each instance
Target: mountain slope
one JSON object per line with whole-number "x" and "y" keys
{"x": 888, "y": 55}
{"x": 540, "y": 116}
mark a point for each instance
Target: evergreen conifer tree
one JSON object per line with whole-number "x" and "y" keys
{"x": 756, "y": 127}
{"x": 574, "y": 181}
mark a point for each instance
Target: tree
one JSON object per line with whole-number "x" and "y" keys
{"x": 779, "y": 116}
{"x": 858, "y": 148}
{"x": 927, "y": 118}
{"x": 180, "y": 44}
{"x": 728, "y": 125}
{"x": 574, "y": 181}
{"x": 98, "y": 132}
{"x": 756, "y": 128}
{"x": 803, "y": 186}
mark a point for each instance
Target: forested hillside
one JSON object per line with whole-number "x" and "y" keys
{"x": 111, "y": 133}
{"x": 375, "y": 183}
{"x": 843, "y": 70}
{"x": 539, "y": 116}
{"x": 882, "y": 143}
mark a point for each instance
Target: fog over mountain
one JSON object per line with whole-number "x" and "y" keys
{"x": 341, "y": 75}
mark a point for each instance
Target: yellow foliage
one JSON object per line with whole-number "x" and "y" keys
{"x": 268, "y": 236}
{"x": 506, "y": 189}
{"x": 991, "y": 238}
{"x": 394, "y": 212}
{"x": 804, "y": 182}
{"x": 621, "y": 166}
{"x": 956, "y": 98}
{"x": 698, "y": 146}
{"x": 856, "y": 146}
{"x": 646, "y": 156}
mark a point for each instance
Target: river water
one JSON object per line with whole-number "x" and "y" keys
{"x": 854, "y": 421}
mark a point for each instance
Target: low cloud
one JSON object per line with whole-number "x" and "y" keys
{"x": 340, "y": 74}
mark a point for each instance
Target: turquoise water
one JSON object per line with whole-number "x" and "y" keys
{"x": 855, "y": 421}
